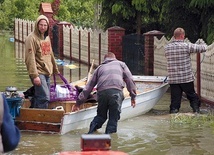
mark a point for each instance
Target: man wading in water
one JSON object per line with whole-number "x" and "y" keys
{"x": 110, "y": 78}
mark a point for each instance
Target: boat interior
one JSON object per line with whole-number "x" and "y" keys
{"x": 66, "y": 106}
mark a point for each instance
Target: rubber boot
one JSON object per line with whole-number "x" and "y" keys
{"x": 93, "y": 127}
{"x": 196, "y": 110}
{"x": 195, "y": 107}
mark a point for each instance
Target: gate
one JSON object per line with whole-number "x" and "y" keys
{"x": 55, "y": 44}
{"x": 133, "y": 53}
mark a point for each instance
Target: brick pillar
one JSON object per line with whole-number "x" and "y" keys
{"x": 52, "y": 22}
{"x": 60, "y": 37}
{"x": 149, "y": 50}
{"x": 115, "y": 35}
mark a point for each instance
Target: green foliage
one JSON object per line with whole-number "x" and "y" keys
{"x": 64, "y": 14}
{"x": 123, "y": 7}
{"x": 11, "y": 9}
{"x": 201, "y": 3}
{"x": 179, "y": 15}
{"x": 206, "y": 18}
{"x": 6, "y": 14}
{"x": 140, "y": 5}
{"x": 210, "y": 31}
{"x": 78, "y": 12}
{"x": 126, "y": 14}
{"x": 193, "y": 119}
{"x": 195, "y": 16}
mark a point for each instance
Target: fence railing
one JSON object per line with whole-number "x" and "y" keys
{"x": 22, "y": 28}
{"x": 79, "y": 44}
{"x": 84, "y": 45}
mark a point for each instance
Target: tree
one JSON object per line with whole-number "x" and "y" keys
{"x": 190, "y": 15}
{"x": 181, "y": 14}
{"x": 137, "y": 13}
{"x": 24, "y": 9}
{"x": 206, "y": 18}
{"x": 78, "y": 12}
{"x": 138, "y": 16}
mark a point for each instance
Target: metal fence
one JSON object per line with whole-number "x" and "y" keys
{"x": 133, "y": 53}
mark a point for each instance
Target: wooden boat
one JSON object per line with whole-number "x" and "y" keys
{"x": 61, "y": 120}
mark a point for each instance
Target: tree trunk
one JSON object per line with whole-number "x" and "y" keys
{"x": 139, "y": 22}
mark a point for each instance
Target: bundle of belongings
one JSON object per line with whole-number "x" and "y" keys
{"x": 29, "y": 94}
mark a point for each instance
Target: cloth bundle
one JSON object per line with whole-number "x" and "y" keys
{"x": 65, "y": 92}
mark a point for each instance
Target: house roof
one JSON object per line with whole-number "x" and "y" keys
{"x": 46, "y": 7}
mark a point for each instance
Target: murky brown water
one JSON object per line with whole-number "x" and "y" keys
{"x": 149, "y": 134}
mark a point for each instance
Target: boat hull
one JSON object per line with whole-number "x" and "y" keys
{"x": 144, "y": 102}
{"x": 59, "y": 121}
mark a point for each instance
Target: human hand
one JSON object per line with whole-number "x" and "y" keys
{"x": 75, "y": 108}
{"x": 200, "y": 41}
{"x": 133, "y": 103}
{"x": 37, "y": 81}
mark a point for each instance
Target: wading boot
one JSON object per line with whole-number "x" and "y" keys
{"x": 173, "y": 111}
{"x": 195, "y": 106}
{"x": 93, "y": 127}
{"x": 196, "y": 110}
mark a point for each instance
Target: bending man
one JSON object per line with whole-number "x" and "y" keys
{"x": 109, "y": 78}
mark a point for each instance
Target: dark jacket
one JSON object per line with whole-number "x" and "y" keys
{"x": 9, "y": 132}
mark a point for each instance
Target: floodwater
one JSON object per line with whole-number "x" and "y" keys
{"x": 13, "y": 69}
{"x": 151, "y": 134}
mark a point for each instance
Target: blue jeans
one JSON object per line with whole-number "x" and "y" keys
{"x": 109, "y": 106}
{"x": 42, "y": 93}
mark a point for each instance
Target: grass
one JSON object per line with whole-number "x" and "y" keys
{"x": 193, "y": 119}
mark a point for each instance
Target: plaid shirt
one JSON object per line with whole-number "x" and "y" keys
{"x": 178, "y": 58}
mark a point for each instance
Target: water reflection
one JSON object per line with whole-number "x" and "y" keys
{"x": 14, "y": 72}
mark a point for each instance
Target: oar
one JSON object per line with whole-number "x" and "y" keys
{"x": 90, "y": 71}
